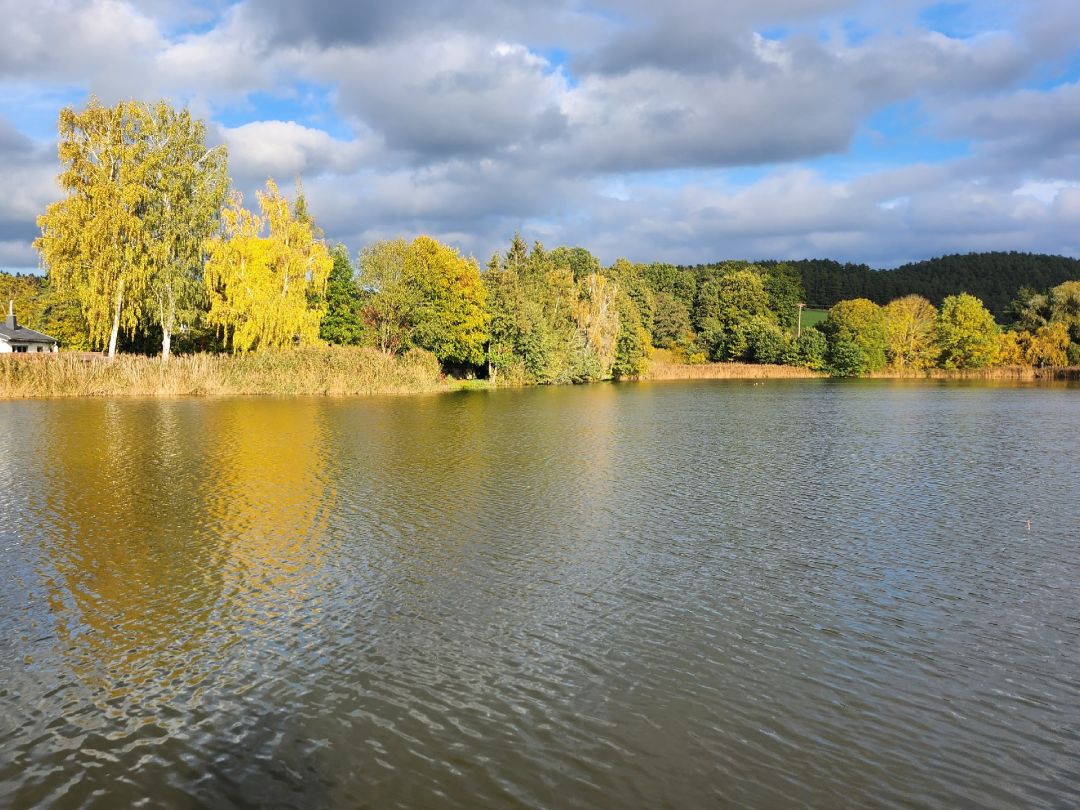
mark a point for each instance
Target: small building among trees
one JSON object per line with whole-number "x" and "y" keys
{"x": 20, "y": 340}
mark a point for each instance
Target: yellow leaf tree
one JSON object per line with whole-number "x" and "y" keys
{"x": 188, "y": 184}
{"x": 266, "y": 274}
{"x": 597, "y": 317}
{"x": 93, "y": 242}
{"x": 1048, "y": 346}
{"x": 909, "y": 331}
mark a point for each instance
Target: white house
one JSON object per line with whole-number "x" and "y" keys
{"x": 19, "y": 339}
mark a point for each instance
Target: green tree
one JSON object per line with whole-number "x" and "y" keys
{"x": 1065, "y": 307}
{"x": 724, "y": 305}
{"x": 765, "y": 341}
{"x": 632, "y": 345}
{"x": 580, "y": 261}
{"x": 1029, "y": 310}
{"x": 733, "y": 297}
{"x": 451, "y": 319}
{"x": 783, "y": 284}
{"x": 391, "y": 301}
{"x": 506, "y": 320}
{"x": 532, "y": 304}
{"x": 343, "y": 323}
{"x": 680, "y": 283}
{"x": 810, "y": 350}
{"x": 517, "y": 257}
{"x": 966, "y": 334}
{"x": 855, "y": 332}
{"x": 671, "y": 321}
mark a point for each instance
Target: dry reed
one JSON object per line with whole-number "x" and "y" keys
{"x": 1016, "y": 373}
{"x": 316, "y": 370}
{"x": 336, "y": 370}
{"x": 662, "y": 367}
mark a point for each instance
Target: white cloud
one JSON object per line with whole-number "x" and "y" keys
{"x": 101, "y": 42}
{"x": 609, "y": 125}
{"x": 286, "y": 149}
{"x": 458, "y": 95}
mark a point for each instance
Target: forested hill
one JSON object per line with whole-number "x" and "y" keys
{"x": 993, "y": 277}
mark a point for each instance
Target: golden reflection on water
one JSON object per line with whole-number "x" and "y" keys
{"x": 270, "y": 495}
{"x": 166, "y": 526}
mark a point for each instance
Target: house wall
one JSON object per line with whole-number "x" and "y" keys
{"x": 31, "y": 348}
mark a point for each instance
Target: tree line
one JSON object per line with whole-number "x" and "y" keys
{"x": 151, "y": 251}
{"x": 992, "y": 277}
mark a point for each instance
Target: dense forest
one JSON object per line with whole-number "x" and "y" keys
{"x": 994, "y": 278}
{"x": 151, "y": 251}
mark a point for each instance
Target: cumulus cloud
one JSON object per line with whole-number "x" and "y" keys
{"x": 28, "y": 176}
{"x": 67, "y": 40}
{"x": 615, "y": 124}
{"x": 12, "y": 142}
{"x": 286, "y": 149}
{"x": 1023, "y": 125}
{"x": 460, "y": 95}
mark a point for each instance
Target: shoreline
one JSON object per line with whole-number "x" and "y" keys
{"x": 349, "y": 372}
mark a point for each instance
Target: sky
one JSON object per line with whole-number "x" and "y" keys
{"x": 684, "y": 131}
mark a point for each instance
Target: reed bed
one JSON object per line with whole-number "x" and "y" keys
{"x": 1014, "y": 373}
{"x": 315, "y": 370}
{"x": 662, "y": 367}
{"x": 336, "y": 370}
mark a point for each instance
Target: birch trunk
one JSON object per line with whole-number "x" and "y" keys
{"x": 116, "y": 321}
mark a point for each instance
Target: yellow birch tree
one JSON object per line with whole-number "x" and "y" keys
{"x": 188, "y": 186}
{"x": 263, "y": 272}
{"x": 909, "y": 332}
{"x": 93, "y": 242}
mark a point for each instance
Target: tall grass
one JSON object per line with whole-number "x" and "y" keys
{"x": 991, "y": 373}
{"x": 350, "y": 371}
{"x": 315, "y": 370}
{"x": 663, "y": 367}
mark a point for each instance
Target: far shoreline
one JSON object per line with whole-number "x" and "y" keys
{"x": 355, "y": 372}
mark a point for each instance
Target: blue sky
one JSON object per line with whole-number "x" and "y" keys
{"x": 687, "y": 131}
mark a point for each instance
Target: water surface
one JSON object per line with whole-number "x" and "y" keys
{"x": 679, "y": 594}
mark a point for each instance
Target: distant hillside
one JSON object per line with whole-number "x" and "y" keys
{"x": 993, "y": 277}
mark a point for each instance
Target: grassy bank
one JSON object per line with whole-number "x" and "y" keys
{"x": 356, "y": 371}
{"x": 323, "y": 370}
{"x": 662, "y": 367}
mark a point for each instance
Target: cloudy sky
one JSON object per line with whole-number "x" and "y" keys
{"x": 683, "y": 130}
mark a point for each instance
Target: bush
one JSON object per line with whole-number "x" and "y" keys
{"x": 859, "y": 323}
{"x": 810, "y": 349}
{"x": 846, "y": 358}
{"x": 765, "y": 342}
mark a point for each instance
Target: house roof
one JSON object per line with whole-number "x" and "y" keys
{"x": 21, "y": 334}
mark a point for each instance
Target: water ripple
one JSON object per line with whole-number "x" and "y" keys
{"x": 686, "y": 595}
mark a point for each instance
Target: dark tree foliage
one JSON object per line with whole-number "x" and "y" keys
{"x": 578, "y": 259}
{"x": 995, "y": 278}
{"x": 344, "y": 320}
{"x": 785, "y": 289}
{"x": 671, "y": 322}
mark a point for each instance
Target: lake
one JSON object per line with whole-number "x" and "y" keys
{"x": 699, "y": 594}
